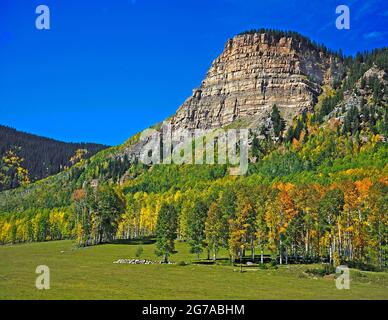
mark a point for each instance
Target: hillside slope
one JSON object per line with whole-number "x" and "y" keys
{"x": 42, "y": 156}
{"x": 120, "y": 164}
{"x": 316, "y": 187}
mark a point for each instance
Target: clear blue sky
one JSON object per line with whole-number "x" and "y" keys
{"x": 108, "y": 69}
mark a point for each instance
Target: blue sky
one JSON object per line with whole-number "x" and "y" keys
{"x": 108, "y": 69}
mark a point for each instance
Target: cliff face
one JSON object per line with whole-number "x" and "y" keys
{"x": 254, "y": 72}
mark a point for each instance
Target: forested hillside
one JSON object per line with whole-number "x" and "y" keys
{"x": 316, "y": 188}
{"x": 32, "y": 157}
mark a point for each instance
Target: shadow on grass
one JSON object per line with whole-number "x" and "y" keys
{"x": 203, "y": 262}
{"x": 134, "y": 241}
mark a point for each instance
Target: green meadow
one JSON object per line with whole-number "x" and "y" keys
{"x": 89, "y": 273}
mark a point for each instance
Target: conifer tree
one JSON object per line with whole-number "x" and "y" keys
{"x": 166, "y": 231}
{"x": 277, "y": 122}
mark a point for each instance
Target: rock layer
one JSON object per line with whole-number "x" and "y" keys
{"x": 254, "y": 72}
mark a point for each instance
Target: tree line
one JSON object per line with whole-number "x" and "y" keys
{"x": 41, "y": 156}
{"x": 307, "y": 222}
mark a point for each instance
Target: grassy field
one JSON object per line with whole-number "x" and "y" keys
{"x": 89, "y": 273}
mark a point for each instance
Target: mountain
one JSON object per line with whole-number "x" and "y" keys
{"x": 43, "y": 157}
{"x": 256, "y": 71}
{"x": 317, "y": 180}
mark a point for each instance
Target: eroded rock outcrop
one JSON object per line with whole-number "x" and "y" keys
{"x": 254, "y": 72}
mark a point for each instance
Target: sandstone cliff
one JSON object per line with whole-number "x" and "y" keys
{"x": 254, "y": 72}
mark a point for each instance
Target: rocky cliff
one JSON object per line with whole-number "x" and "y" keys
{"x": 254, "y": 72}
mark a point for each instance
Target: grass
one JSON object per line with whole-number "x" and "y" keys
{"x": 89, "y": 273}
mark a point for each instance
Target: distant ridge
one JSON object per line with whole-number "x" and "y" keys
{"x": 42, "y": 156}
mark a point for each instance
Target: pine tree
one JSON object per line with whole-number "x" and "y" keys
{"x": 196, "y": 226}
{"x": 166, "y": 231}
{"x": 352, "y": 121}
{"x": 277, "y": 122}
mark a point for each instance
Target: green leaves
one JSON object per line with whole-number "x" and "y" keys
{"x": 277, "y": 122}
{"x": 166, "y": 230}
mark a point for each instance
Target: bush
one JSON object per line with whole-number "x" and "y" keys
{"x": 139, "y": 251}
{"x": 181, "y": 264}
{"x": 323, "y": 271}
{"x": 362, "y": 266}
{"x": 263, "y": 266}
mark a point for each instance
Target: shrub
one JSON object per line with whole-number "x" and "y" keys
{"x": 263, "y": 266}
{"x": 363, "y": 266}
{"x": 323, "y": 271}
{"x": 139, "y": 251}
